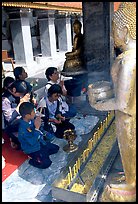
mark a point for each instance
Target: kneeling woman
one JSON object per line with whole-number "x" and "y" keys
{"x": 53, "y": 117}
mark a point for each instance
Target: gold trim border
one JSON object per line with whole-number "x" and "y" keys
{"x": 45, "y": 6}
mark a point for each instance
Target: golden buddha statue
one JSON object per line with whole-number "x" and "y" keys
{"x": 123, "y": 73}
{"x": 73, "y": 61}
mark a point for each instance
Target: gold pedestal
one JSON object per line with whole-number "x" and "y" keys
{"x": 70, "y": 147}
{"x": 70, "y": 136}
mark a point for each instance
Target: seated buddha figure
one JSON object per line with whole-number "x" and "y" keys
{"x": 123, "y": 73}
{"x": 74, "y": 58}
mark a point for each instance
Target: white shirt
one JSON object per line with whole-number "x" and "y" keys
{"x": 63, "y": 107}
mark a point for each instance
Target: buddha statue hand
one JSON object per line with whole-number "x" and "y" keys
{"x": 119, "y": 193}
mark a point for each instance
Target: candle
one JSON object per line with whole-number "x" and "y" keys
{"x": 106, "y": 122}
{"x": 98, "y": 133}
{"x": 87, "y": 152}
{"x": 96, "y": 136}
{"x": 83, "y": 156}
{"x": 41, "y": 110}
{"x": 94, "y": 139}
{"x": 101, "y": 127}
{"x": 74, "y": 169}
{"x": 109, "y": 115}
{"x": 90, "y": 144}
{"x": 68, "y": 178}
{"x": 104, "y": 125}
{"x": 70, "y": 172}
{"x": 79, "y": 164}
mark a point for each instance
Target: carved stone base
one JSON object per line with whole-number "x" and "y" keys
{"x": 118, "y": 194}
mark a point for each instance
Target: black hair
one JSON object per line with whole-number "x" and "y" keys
{"x": 49, "y": 71}
{"x": 8, "y": 81}
{"x": 20, "y": 86}
{"x": 18, "y": 71}
{"x": 26, "y": 108}
{"x": 55, "y": 88}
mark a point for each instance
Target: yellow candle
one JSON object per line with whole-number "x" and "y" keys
{"x": 84, "y": 156}
{"x": 94, "y": 139}
{"x": 101, "y": 127}
{"x": 106, "y": 122}
{"x": 79, "y": 164}
{"x": 68, "y": 178}
{"x": 74, "y": 170}
{"x": 109, "y": 115}
{"x": 96, "y": 136}
{"x": 90, "y": 144}
{"x": 87, "y": 152}
{"x": 104, "y": 125}
{"x": 70, "y": 172}
{"x": 98, "y": 133}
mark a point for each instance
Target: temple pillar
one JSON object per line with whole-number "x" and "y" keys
{"x": 97, "y": 35}
{"x": 63, "y": 24}
{"x": 47, "y": 33}
{"x": 21, "y": 37}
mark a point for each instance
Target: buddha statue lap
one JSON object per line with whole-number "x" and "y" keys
{"x": 123, "y": 73}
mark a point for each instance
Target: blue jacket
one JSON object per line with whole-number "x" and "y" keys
{"x": 29, "y": 137}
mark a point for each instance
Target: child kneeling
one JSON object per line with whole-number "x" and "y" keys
{"x": 31, "y": 138}
{"x": 53, "y": 116}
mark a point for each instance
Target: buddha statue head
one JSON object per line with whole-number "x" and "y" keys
{"x": 124, "y": 23}
{"x": 77, "y": 26}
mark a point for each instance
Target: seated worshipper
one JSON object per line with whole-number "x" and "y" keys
{"x": 53, "y": 116}
{"x": 6, "y": 83}
{"x": 21, "y": 74}
{"x": 12, "y": 97}
{"x": 31, "y": 138}
{"x": 52, "y": 76}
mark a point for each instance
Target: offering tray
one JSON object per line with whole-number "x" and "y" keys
{"x": 83, "y": 178}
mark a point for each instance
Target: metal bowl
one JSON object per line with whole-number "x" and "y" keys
{"x": 100, "y": 91}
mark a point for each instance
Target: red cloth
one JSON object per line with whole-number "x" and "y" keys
{"x": 13, "y": 158}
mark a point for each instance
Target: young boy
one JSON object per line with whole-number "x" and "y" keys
{"x": 53, "y": 115}
{"x": 52, "y": 76}
{"x": 31, "y": 138}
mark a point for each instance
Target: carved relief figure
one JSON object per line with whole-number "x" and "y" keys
{"x": 123, "y": 74}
